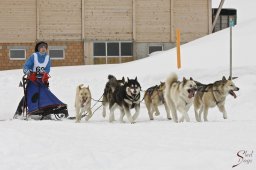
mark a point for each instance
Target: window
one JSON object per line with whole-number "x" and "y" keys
{"x": 57, "y": 52}
{"x": 99, "y": 49}
{"x": 126, "y": 49}
{"x": 224, "y": 19}
{"x": 17, "y": 54}
{"x": 155, "y": 48}
{"x": 113, "y": 49}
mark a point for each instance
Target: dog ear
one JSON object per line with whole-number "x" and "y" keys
{"x": 80, "y": 86}
{"x": 123, "y": 79}
{"x": 136, "y": 78}
{"x": 128, "y": 79}
{"x": 184, "y": 81}
{"x": 224, "y": 78}
{"x": 87, "y": 87}
{"x": 190, "y": 78}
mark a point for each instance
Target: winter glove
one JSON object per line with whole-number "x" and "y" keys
{"x": 32, "y": 77}
{"x": 45, "y": 78}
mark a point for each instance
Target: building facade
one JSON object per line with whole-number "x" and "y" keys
{"x": 97, "y": 31}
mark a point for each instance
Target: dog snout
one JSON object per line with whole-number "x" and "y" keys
{"x": 84, "y": 98}
{"x": 237, "y": 89}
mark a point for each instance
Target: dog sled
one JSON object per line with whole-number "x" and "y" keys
{"x": 39, "y": 100}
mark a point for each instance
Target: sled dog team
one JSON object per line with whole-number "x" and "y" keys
{"x": 176, "y": 96}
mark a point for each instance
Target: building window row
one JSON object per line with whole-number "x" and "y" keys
{"x": 17, "y": 53}
{"x": 113, "y": 49}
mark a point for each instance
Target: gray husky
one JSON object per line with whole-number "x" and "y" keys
{"x": 153, "y": 97}
{"x": 212, "y": 95}
{"x": 179, "y": 96}
{"x": 125, "y": 97}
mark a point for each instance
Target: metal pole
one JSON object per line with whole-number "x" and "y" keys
{"x": 230, "y": 74}
{"x": 217, "y": 14}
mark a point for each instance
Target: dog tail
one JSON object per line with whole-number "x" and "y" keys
{"x": 111, "y": 77}
{"x": 113, "y": 83}
{"x": 169, "y": 81}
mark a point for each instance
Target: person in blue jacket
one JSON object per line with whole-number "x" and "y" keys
{"x": 36, "y": 67}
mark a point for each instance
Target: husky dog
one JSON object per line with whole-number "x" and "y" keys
{"x": 153, "y": 97}
{"x": 179, "y": 96}
{"x": 83, "y": 102}
{"x": 214, "y": 95}
{"x": 125, "y": 97}
{"x": 108, "y": 91}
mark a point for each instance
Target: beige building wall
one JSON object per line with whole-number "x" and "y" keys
{"x": 191, "y": 17}
{"x": 59, "y": 19}
{"x": 76, "y": 24}
{"x": 108, "y": 19}
{"x": 152, "y": 20}
{"x": 17, "y": 21}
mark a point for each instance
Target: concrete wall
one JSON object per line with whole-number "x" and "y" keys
{"x": 141, "y": 50}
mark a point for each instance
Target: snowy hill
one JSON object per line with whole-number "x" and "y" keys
{"x": 159, "y": 144}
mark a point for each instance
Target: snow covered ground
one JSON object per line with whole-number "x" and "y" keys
{"x": 145, "y": 145}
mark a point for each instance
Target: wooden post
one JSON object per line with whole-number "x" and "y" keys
{"x": 178, "y": 48}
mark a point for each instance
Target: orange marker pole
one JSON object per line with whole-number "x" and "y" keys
{"x": 178, "y": 48}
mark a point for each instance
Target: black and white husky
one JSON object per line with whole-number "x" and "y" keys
{"x": 125, "y": 97}
{"x": 109, "y": 90}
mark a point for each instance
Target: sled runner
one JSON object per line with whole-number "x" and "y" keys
{"x": 39, "y": 100}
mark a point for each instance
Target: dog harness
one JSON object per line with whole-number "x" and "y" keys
{"x": 39, "y": 67}
{"x": 151, "y": 90}
{"x": 214, "y": 95}
{"x": 132, "y": 100}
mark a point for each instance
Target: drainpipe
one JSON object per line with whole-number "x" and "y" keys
{"x": 37, "y": 21}
{"x": 83, "y": 34}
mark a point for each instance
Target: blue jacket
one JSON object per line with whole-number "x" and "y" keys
{"x": 28, "y": 66}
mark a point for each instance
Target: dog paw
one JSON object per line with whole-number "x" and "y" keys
{"x": 157, "y": 113}
{"x": 133, "y": 122}
{"x": 169, "y": 118}
{"x": 151, "y": 118}
{"x": 104, "y": 115}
